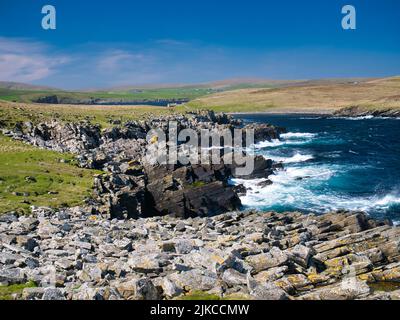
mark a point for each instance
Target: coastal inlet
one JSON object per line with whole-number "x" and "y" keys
{"x": 329, "y": 163}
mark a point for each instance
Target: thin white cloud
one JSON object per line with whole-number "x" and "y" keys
{"x": 171, "y": 42}
{"x": 22, "y": 60}
{"x": 160, "y": 61}
{"x": 118, "y": 60}
{"x": 102, "y": 65}
{"x": 21, "y": 45}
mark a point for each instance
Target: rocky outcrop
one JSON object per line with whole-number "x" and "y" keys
{"x": 188, "y": 191}
{"x": 133, "y": 188}
{"x": 60, "y": 99}
{"x": 73, "y": 254}
{"x": 63, "y": 137}
{"x": 265, "y": 132}
{"x": 357, "y": 111}
{"x": 53, "y": 99}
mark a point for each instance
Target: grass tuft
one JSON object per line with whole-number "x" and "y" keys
{"x": 6, "y": 292}
{"x": 32, "y": 176}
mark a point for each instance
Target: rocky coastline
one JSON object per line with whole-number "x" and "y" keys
{"x": 365, "y": 112}
{"x": 166, "y": 231}
{"x": 130, "y": 186}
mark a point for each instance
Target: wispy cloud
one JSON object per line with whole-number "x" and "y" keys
{"x": 101, "y": 65}
{"x": 118, "y": 60}
{"x": 162, "y": 61}
{"x": 23, "y": 60}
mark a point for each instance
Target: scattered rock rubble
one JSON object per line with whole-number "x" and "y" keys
{"x": 72, "y": 254}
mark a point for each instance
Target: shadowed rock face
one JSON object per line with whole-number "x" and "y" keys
{"x": 132, "y": 188}
{"x": 265, "y": 132}
{"x": 191, "y": 191}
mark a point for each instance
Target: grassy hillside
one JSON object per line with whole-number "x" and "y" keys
{"x": 311, "y": 96}
{"x": 31, "y": 176}
{"x": 17, "y": 95}
{"x": 307, "y": 97}
{"x": 22, "y": 86}
{"x": 19, "y": 92}
{"x": 11, "y": 113}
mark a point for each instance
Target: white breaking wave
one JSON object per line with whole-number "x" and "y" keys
{"x": 355, "y": 118}
{"x": 311, "y": 118}
{"x": 266, "y": 144}
{"x": 277, "y": 143}
{"x": 287, "y": 188}
{"x": 366, "y": 118}
{"x": 361, "y": 118}
{"x": 293, "y": 159}
{"x": 293, "y": 176}
{"x": 301, "y": 188}
{"x": 387, "y": 201}
{"x": 290, "y": 138}
{"x": 297, "y": 135}
{"x": 306, "y": 186}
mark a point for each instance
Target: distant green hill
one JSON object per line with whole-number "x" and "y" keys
{"x": 22, "y": 86}
{"x": 19, "y": 92}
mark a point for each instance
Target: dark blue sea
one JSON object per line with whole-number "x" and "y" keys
{"x": 330, "y": 164}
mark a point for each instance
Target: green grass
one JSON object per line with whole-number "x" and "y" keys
{"x": 229, "y": 108}
{"x": 199, "y": 295}
{"x": 28, "y": 174}
{"x": 198, "y": 184}
{"x": 142, "y": 94}
{"x": 184, "y": 92}
{"x": 163, "y": 93}
{"x": 6, "y": 292}
{"x": 12, "y": 113}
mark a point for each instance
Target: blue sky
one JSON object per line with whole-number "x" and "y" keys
{"x": 113, "y": 43}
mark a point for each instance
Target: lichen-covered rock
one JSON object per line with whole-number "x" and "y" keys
{"x": 347, "y": 289}
{"x": 53, "y": 294}
{"x": 170, "y": 288}
{"x": 234, "y": 278}
{"x": 263, "y": 261}
{"x": 268, "y": 291}
{"x": 258, "y": 255}
{"x": 32, "y": 293}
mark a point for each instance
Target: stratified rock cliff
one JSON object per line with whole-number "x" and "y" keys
{"x": 131, "y": 187}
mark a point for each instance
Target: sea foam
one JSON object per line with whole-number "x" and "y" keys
{"x": 297, "y": 135}
{"x": 290, "y": 138}
{"x": 293, "y": 159}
